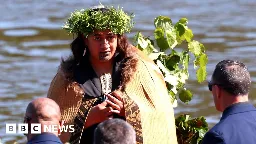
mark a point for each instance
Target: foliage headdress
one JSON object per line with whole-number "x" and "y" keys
{"x": 99, "y": 18}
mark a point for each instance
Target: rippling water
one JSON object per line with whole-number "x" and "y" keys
{"x": 32, "y": 43}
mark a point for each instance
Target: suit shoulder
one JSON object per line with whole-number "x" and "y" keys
{"x": 213, "y": 137}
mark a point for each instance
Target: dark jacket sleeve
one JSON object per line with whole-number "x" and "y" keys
{"x": 213, "y": 137}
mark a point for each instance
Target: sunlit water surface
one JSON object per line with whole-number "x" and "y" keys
{"x": 32, "y": 44}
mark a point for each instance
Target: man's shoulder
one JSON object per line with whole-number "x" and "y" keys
{"x": 213, "y": 137}
{"x": 218, "y": 128}
{"x": 218, "y": 133}
{"x": 227, "y": 124}
{"x": 224, "y": 126}
{"x": 45, "y": 138}
{"x": 233, "y": 125}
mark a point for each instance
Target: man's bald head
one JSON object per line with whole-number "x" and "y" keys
{"x": 43, "y": 110}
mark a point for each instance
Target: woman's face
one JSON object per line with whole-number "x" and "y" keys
{"x": 102, "y": 45}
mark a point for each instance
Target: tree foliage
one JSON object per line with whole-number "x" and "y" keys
{"x": 190, "y": 131}
{"x": 174, "y": 67}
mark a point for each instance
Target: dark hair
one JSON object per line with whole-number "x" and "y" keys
{"x": 114, "y": 131}
{"x": 232, "y": 76}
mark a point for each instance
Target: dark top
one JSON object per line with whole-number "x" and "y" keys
{"x": 237, "y": 126}
{"x": 90, "y": 83}
{"x": 45, "y": 138}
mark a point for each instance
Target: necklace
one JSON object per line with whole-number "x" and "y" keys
{"x": 106, "y": 83}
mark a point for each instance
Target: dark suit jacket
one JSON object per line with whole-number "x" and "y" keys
{"x": 237, "y": 126}
{"x": 45, "y": 138}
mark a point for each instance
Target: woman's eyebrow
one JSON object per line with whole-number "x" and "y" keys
{"x": 97, "y": 34}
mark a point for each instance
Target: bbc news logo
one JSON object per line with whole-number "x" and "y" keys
{"x": 36, "y": 128}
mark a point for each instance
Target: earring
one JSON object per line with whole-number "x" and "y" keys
{"x": 84, "y": 52}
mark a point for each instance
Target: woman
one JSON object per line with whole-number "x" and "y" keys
{"x": 108, "y": 78}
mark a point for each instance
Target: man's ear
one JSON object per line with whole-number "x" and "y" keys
{"x": 61, "y": 123}
{"x": 218, "y": 91}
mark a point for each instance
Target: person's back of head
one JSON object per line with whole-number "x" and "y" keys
{"x": 114, "y": 131}
{"x": 233, "y": 77}
{"x": 44, "y": 111}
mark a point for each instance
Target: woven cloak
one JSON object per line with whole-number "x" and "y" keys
{"x": 147, "y": 104}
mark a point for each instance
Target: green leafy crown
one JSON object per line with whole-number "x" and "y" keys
{"x": 86, "y": 21}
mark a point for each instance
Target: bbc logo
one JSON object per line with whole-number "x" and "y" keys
{"x": 23, "y": 128}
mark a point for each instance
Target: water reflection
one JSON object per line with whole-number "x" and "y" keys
{"x": 17, "y": 33}
{"x": 32, "y": 43}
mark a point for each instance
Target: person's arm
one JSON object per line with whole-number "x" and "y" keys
{"x": 212, "y": 137}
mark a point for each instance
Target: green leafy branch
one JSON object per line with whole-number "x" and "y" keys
{"x": 174, "y": 63}
{"x": 190, "y": 131}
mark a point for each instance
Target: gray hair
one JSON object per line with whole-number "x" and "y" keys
{"x": 114, "y": 131}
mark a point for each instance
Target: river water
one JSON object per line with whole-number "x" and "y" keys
{"x": 32, "y": 43}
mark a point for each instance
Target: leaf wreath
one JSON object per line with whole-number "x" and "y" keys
{"x": 86, "y": 21}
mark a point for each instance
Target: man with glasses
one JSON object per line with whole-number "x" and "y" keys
{"x": 46, "y": 112}
{"x": 230, "y": 84}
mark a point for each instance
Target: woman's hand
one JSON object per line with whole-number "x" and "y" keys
{"x": 116, "y": 102}
{"x": 99, "y": 113}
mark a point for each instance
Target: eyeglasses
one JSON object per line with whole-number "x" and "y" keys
{"x": 210, "y": 84}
